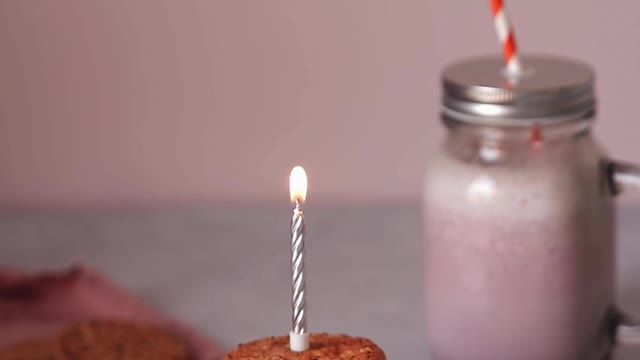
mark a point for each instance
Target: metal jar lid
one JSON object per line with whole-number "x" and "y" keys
{"x": 550, "y": 89}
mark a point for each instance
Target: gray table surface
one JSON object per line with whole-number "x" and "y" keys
{"x": 225, "y": 269}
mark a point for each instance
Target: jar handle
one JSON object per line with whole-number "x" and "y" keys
{"x": 627, "y": 331}
{"x": 623, "y": 177}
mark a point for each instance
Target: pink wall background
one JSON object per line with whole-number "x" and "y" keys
{"x": 118, "y": 102}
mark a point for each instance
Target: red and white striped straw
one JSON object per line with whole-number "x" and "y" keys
{"x": 506, "y": 36}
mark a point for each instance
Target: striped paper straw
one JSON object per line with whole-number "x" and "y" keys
{"x": 504, "y": 30}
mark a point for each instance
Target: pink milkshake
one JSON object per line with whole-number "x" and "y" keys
{"x": 518, "y": 257}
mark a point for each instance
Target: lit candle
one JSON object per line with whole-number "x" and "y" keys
{"x": 298, "y": 337}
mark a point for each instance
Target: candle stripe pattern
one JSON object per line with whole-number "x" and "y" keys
{"x": 299, "y": 317}
{"x": 506, "y": 36}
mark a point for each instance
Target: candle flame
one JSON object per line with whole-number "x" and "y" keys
{"x": 298, "y": 184}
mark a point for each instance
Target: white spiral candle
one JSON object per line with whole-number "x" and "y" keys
{"x": 298, "y": 337}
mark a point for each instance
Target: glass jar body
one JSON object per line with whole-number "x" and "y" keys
{"x": 519, "y": 244}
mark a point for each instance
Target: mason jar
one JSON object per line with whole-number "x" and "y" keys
{"x": 519, "y": 215}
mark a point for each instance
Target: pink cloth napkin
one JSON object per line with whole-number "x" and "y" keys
{"x": 42, "y": 304}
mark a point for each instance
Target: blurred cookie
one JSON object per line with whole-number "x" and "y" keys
{"x": 43, "y": 304}
{"x": 119, "y": 340}
{"x": 42, "y": 349}
{"x": 322, "y": 347}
